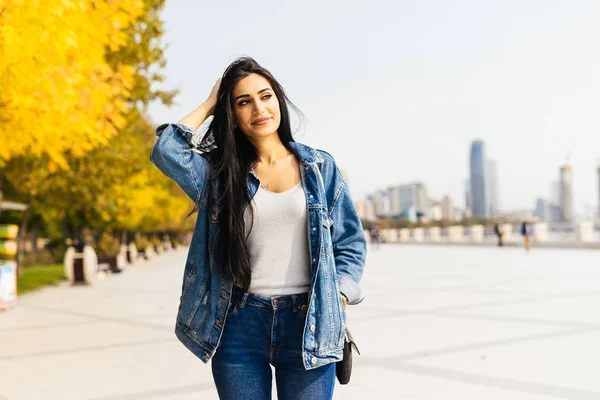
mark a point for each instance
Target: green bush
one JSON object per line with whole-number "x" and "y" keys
{"x": 43, "y": 257}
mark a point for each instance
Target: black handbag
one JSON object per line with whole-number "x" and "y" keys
{"x": 343, "y": 369}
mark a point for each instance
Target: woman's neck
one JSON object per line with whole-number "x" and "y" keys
{"x": 270, "y": 149}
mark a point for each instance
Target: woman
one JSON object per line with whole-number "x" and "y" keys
{"x": 278, "y": 249}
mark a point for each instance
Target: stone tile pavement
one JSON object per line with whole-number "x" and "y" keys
{"x": 438, "y": 322}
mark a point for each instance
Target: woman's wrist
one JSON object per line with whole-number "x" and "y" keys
{"x": 209, "y": 107}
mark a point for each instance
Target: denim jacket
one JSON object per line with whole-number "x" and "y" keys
{"x": 337, "y": 250}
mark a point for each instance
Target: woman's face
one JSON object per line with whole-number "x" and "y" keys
{"x": 256, "y": 107}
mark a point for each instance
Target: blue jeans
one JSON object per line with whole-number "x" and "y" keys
{"x": 260, "y": 332}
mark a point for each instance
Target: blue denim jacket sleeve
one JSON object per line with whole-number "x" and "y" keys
{"x": 347, "y": 235}
{"x": 173, "y": 156}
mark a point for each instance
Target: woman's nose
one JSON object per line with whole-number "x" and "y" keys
{"x": 259, "y": 107}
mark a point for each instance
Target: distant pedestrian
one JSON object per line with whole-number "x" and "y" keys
{"x": 499, "y": 232}
{"x": 375, "y": 236}
{"x": 526, "y": 233}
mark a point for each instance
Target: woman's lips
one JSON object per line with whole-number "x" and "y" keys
{"x": 261, "y": 121}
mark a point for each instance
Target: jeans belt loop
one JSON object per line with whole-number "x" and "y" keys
{"x": 243, "y": 300}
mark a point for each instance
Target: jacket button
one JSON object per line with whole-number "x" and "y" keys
{"x": 314, "y": 229}
{"x": 313, "y": 360}
{"x": 312, "y": 328}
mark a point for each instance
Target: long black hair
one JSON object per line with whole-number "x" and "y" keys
{"x": 232, "y": 156}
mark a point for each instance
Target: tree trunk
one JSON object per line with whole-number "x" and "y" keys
{"x": 34, "y": 240}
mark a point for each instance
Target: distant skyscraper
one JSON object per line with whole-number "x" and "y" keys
{"x": 492, "y": 175}
{"x": 479, "y": 191}
{"x": 566, "y": 193}
{"x": 434, "y": 210}
{"x": 421, "y": 200}
{"x": 377, "y": 200}
{"x": 387, "y": 204}
{"x": 395, "y": 200}
{"x": 447, "y": 209}
{"x": 468, "y": 198}
{"x": 403, "y": 197}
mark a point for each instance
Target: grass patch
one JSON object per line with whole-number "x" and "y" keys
{"x": 38, "y": 276}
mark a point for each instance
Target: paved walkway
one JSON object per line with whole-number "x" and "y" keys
{"x": 439, "y": 322}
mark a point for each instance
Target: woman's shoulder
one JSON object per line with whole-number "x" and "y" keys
{"x": 311, "y": 154}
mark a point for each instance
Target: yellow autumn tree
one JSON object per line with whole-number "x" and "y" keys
{"x": 147, "y": 203}
{"x": 58, "y": 94}
{"x": 110, "y": 184}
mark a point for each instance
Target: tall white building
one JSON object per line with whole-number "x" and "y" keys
{"x": 412, "y": 195}
{"x": 397, "y": 200}
{"x": 381, "y": 204}
{"x": 435, "y": 211}
{"x": 421, "y": 201}
{"x": 448, "y": 209}
{"x": 387, "y": 205}
{"x": 566, "y": 193}
{"x": 366, "y": 210}
{"x": 377, "y": 200}
{"x": 396, "y": 205}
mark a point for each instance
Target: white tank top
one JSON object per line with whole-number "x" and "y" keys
{"x": 278, "y": 243}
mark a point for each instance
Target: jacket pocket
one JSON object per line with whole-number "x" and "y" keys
{"x": 326, "y": 243}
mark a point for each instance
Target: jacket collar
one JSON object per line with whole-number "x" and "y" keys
{"x": 305, "y": 154}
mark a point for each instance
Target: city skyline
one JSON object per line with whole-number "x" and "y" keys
{"x": 556, "y": 206}
{"x": 406, "y": 106}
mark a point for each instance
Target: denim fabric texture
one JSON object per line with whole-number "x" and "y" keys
{"x": 337, "y": 249}
{"x": 261, "y": 332}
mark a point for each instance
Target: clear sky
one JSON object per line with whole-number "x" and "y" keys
{"x": 396, "y": 90}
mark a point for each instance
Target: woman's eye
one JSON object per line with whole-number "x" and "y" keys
{"x": 243, "y": 103}
{"x": 267, "y": 96}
